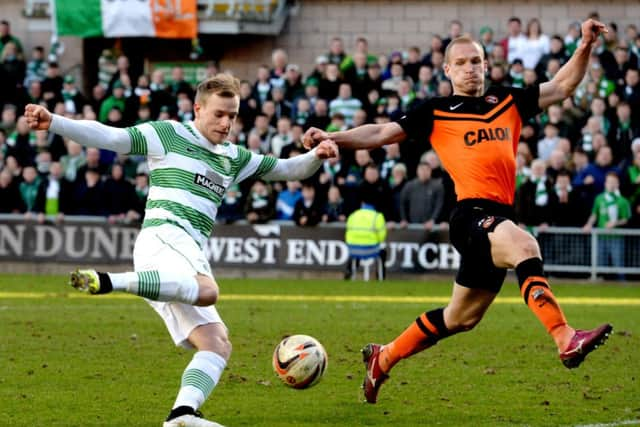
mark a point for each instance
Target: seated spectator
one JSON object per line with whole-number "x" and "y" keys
{"x": 36, "y": 67}
{"x": 376, "y": 190}
{"x": 334, "y": 208}
{"x": 10, "y": 199}
{"x": 89, "y": 198}
{"x": 73, "y": 160}
{"x": 397, "y": 181}
{"x": 536, "y": 199}
{"x": 301, "y": 111}
{"x": 421, "y": 199}
{"x": 320, "y": 116}
{"x": 73, "y": 99}
{"x": 92, "y": 162}
{"x": 20, "y": 144}
{"x": 31, "y": 192}
{"x": 142, "y": 192}
{"x": 264, "y": 131}
{"x": 549, "y": 143}
{"x": 308, "y": 209}
{"x": 570, "y": 210}
{"x": 8, "y": 119}
{"x": 594, "y": 173}
{"x": 287, "y": 199}
{"x": 391, "y": 158}
{"x": 58, "y": 192}
{"x": 329, "y": 85}
{"x": 117, "y": 99}
{"x": 119, "y": 197}
{"x": 345, "y": 104}
{"x": 556, "y": 164}
{"x": 282, "y": 138}
{"x": 260, "y": 204}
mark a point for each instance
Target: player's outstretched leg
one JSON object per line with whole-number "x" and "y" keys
{"x": 152, "y": 284}
{"x": 425, "y": 332}
{"x": 573, "y": 345}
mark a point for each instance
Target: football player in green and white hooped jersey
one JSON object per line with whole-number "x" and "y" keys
{"x": 192, "y": 165}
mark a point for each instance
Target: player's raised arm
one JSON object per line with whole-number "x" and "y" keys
{"x": 89, "y": 133}
{"x": 303, "y": 166}
{"x": 362, "y": 137}
{"x": 566, "y": 80}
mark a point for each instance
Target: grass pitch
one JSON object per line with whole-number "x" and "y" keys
{"x": 73, "y": 360}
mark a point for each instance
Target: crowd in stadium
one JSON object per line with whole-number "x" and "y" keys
{"x": 589, "y": 146}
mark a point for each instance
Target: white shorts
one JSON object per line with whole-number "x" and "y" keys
{"x": 167, "y": 247}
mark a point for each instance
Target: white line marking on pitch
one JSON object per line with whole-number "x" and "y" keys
{"x": 617, "y": 423}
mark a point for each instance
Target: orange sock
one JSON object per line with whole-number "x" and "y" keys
{"x": 537, "y": 295}
{"x": 426, "y": 331}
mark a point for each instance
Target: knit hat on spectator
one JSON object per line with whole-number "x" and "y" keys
{"x": 322, "y": 59}
{"x": 485, "y": 29}
{"x": 69, "y": 79}
{"x": 118, "y": 84}
{"x": 311, "y": 81}
{"x": 292, "y": 67}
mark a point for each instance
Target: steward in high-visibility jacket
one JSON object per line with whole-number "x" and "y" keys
{"x": 365, "y": 232}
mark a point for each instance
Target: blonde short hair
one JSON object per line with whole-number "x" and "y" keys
{"x": 222, "y": 84}
{"x": 461, "y": 40}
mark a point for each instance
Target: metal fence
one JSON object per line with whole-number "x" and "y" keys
{"x": 612, "y": 253}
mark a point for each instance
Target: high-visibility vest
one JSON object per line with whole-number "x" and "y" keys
{"x": 365, "y": 227}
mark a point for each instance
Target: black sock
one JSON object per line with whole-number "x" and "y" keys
{"x": 105, "y": 283}
{"x": 180, "y": 411}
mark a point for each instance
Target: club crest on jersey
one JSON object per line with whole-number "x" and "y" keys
{"x": 212, "y": 181}
{"x": 474, "y": 137}
{"x": 491, "y": 99}
{"x": 226, "y": 165}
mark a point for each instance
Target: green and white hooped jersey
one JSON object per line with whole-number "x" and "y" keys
{"x": 189, "y": 176}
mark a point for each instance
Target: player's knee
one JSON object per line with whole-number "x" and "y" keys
{"x": 464, "y": 323}
{"x": 223, "y": 346}
{"x": 208, "y": 291}
{"x": 530, "y": 249}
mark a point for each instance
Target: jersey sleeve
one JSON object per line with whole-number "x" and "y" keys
{"x": 148, "y": 139}
{"x": 418, "y": 122}
{"x": 253, "y": 165}
{"x": 527, "y": 101}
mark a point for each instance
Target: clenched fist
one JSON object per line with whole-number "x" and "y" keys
{"x": 313, "y": 136}
{"x": 327, "y": 149}
{"x": 38, "y": 117}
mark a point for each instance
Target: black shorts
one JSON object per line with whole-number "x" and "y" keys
{"x": 471, "y": 222}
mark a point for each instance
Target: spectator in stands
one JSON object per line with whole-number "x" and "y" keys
{"x": 248, "y": 104}
{"x": 264, "y": 131}
{"x": 282, "y": 137}
{"x": 13, "y": 64}
{"x": 93, "y": 163}
{"x": 610, "y": 210}
{"x": 592, "y": 177}
{"x": 89, "y": 198}
{"x": 287, "y": 199}
{"x": 107, "y": 68}
{"x": 556, "y": 52}
{"x": 435, "y": 45}
{"x": 10, "y": 201}
{"x": 309, "y": 208}
{"x": 332, "y": 172}
{"x": 119, "y": 197}
{"x": 630, "y": 92}
{"x": 536, "y": 199}
{"x": 260, "y": 204}
{"x": 231, "y": 209}
{"x": 549, "y": 143}
{"x": 375, "y": 189}
{"x": 282, "y": 107}
{"x": 262, "y": 87}
{"x": 21, "y": 143}
{"x": 330, "y": 83}
{"x": 397, "y": 181}
{"x": 391, "y": 158}
{"x": 336, "y": 52}
{"x": 413, "y": 63}
{"x": 455, "y": 31}
{"x": 52, "y": 84}
{"x": 122, "y": 71}
{"x": 631, "y": 178}
{"x": 622, "y": 132}
{"x": 425, "y": 86}
{"x": 421, "y": 199}
{"x": 334, "y": 208}
{"x": 185, "y": 110}
{"x": 178, "y": 84}
{"x": 279, "y": 61}
{"x": 515, "y": 77}
{"x": 301, "y": 111}
{"x": 345, "y": 104}
{"x": 515, "y": 41}
{"x": 569, "y": 211}
{"x": 293, "y": 86}
{"x": 6, "y": 36}
{"x": 73, "y": 160}
{"x": 36, "y": 67}
{"x": 57, "y": 192}
{"x": 486, "y": 39}
{"x": 31, "y": 193}
{"x": 73, "y": 99}
{"x": 536, "y": 44}
{"x": 557, "y": 163}
{"x": 8, "y": 120}
{"x": 356, "y": 76}
{"x": 117, "y": 100}
{"x": 320, "y": 68}
{"x": 362, "y": 46}
{"x": 438, "y": 173}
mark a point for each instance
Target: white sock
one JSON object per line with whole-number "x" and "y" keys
{"x": 157, "y": 285}
{"x": 199, "y": 379}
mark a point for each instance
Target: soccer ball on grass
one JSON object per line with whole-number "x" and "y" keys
{"x": 300, "y": 361}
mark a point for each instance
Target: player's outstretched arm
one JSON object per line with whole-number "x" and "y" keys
{"x": 362, "y": 137}
{"x": 567, "y": 79}
{"x": 85, "y": 132}
{"x": 303, "y": 166}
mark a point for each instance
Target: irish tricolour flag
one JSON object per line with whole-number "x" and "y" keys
{"x": 126, "y": 18}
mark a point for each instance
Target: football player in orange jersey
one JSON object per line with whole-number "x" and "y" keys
{"x": 475, "y": 133}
